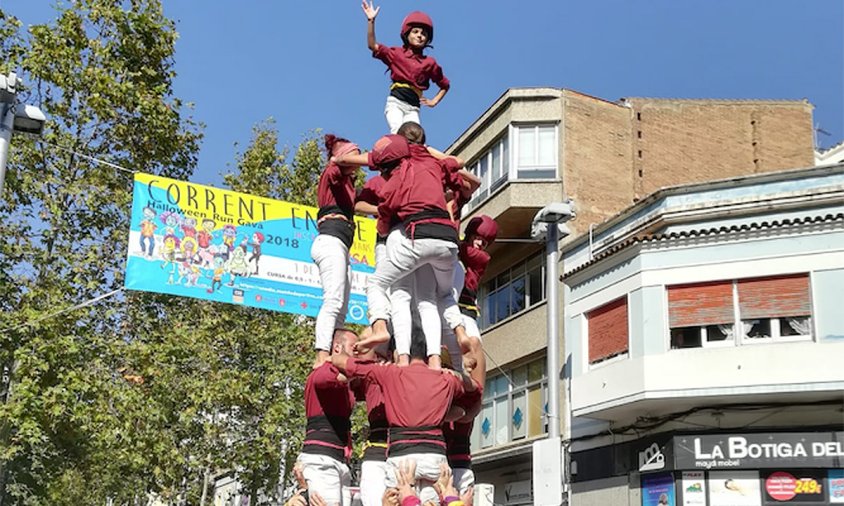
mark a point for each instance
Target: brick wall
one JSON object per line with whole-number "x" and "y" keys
{"x": 685, "y": 141}
{"x": 597, "y": 156}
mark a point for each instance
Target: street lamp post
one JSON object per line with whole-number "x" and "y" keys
{"x": 549, "y": 224}
{"x": 15, "y": 118}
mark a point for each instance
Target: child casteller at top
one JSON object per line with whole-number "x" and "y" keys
{"x": 410, "y": 70}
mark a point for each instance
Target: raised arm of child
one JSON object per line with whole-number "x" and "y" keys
{"x": 371, "y": 12}
{"x": 471, "y": 182}
{"x": 351, "y": 159}
{"x": 439, "y": 155}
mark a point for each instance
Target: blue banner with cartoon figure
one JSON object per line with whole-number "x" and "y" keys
{"x": 197, "y": 241}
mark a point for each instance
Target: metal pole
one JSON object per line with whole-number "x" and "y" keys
{"x": 6, "y": 126}
{"x": 553, "y": 364}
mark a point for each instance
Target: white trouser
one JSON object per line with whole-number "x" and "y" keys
{"x": 427, "y": 472}
{"x": 380, "y": 253}
{"x": 328, "y": 477}
{"x": 373, "y": 482}
{"x": 332, "y": 259}
{"x": 399, "y": 113}
{"x": 405, "y": 257}
{"x": 449, "y": 339}
{"x": 402, "y": 314}
{"x": 463, "y": 479}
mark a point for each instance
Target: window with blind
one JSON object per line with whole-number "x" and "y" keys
{"x": 762, "y": 309}
{"x": 608, "y": 331}
{"x": 701, "y": 314}
{"x": 775, "y": 308}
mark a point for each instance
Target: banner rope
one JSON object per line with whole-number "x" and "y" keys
{"x": 65, "y": 310}
{"x": 88, "y": 157}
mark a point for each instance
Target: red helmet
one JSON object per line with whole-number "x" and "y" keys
{"x": 482, "y": 226}
{"x": 418, "y": 18}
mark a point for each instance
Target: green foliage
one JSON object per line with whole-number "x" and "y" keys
{"x": 264, "y": 170}
{"x": 141, "y": 393}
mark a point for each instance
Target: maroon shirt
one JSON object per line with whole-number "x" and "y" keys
{"x": 475, "y": 261}
{"x": 326, "y": 395}
{"x": 370, "y": 191}
{"x": 411, "y": 67}
{"x": 414, "y": 396}
{"x": 369, "y": 391}
{"x": 328, "y": 406}
{"x": 418, "y": 185}
{"x": 336, "y": 191}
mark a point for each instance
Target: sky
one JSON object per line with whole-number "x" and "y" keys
{"x": 305, "y": 63}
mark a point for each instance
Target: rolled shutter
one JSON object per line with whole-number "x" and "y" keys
{"x": 700, "y": 304}
{"x": 774, "y": 297}
{"x": 608, "y": 334}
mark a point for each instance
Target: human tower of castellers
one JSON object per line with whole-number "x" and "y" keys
{"x": 419, "y": 366}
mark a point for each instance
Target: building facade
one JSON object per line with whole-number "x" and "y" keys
{"x": 534, "y": 146}
{"x": 704, "y": 338}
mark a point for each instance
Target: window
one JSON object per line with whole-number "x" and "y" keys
{"x": 767, "y": 309}
{"x": 536, "y": 152}
{"x": 492, "y": 168}
{"x": 608, "y": 331}
{"x": 534, "y": 157}
{"x": 701, "y": 314}
{"x": 514, "y": 406}
{"x": 514, "y": 290}
{"x": 775, "y": 308}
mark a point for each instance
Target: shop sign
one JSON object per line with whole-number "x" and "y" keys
{"x": 651, "y": 459}
{"x": 735, "y": 451}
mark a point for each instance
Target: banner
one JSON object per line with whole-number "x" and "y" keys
{"x": 795, "y": 486}
{"x": 734, "y": 488}
{"x": 197, "y": 241}
{"x": 658, "y": 490}
{"x": 693, "y": 488}
{"x": 836, "y": 486}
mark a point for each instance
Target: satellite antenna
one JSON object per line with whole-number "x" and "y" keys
{"x": 819, "y": 130}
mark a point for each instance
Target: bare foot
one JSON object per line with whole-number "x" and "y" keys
{"x": 435, "y": 362}
{"x": 364, "y": 345}
{"x": 379, "y": 335}
{"x": 322, "y": 357}
{"x": 462, "y": 339}
{"x": 454, "y": 413}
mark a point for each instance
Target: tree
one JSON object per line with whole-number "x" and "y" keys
{"x": 140, "y": 393}
{"x": 102, "y": 72}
